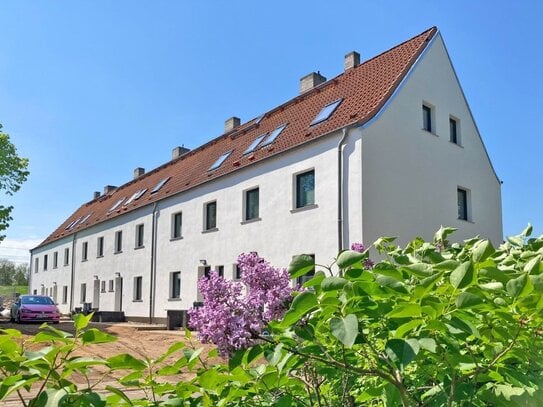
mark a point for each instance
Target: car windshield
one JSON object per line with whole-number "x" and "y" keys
{"x": 37, "y": 300}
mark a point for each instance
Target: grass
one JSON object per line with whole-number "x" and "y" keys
{"x": 9, "y": 289}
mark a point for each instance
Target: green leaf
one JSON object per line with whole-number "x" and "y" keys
{"x": 493, "y": 286}
{"x": 301, "y": 305}
{"x": 520, "y": 286}
{"x": 532, "y": 267}
{"x": 333, "y": 283}
{"x": 405, "y": 310}
{"x": 482, "y": 250}
{"x": 119, "y": 393}
{"x": 316, "y": 280}
{"x": 391, "y": 282}
{"x": 527, "y": 231}
{"x": 301, "y": 265}
{"x": 443, "y": 232}
{"x": 82, "y": 321}
{"x": 407, "y": 327}
{"x": 80, "y": 362}
{"x": 429, "y": 344}
{"x": 125, "y": 361}
{"x": 463, "y": 275}
{"x": 468, "y": 300}
{"x": 348, "y": 258}
{"x": 94, "y": 335}
{"x": 345, "y": 329}
{"x": 402, "y": 352}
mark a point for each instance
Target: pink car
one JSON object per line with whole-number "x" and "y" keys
{"x": 35, "y": 308}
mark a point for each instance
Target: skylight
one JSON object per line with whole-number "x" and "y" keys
{"x": 160, "y": 185}
{"x": 254, "y": 144}
{"x": 117, "y": 204}
{"x": 326, "y": 112}
{"x": 219, "y": 161}
{"x": 137, "y": 195}
{"x": 86, "y": 218}
{"x": 72, "y": 224}
{"x": 259, "y": 118}
{"x": 273, "y": 135}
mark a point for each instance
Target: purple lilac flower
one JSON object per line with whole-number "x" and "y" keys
{"x": 358, "y": 247}
{"x": 368, "y": 264}
{"x": 233, "y": 320}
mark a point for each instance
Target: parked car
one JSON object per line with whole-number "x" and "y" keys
{"x": 29, "y": 308}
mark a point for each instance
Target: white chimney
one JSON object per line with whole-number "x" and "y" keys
{"x": 231, "y": 124}
{"x": 179, "y": 151}
{"x": 138, "y": 172}
{"x": 352, "y": 60}
{"x": 308, "y": 82}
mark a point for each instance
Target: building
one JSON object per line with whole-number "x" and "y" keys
{"x": 388, "y": 147}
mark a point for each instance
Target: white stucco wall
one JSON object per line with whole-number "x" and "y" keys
{"x": 411, "y": 176}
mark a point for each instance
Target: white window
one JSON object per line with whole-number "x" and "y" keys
{"x": 45, "y": 258}
{"x": 454, "y": 130}
{"x": 64, "y": 294}
{"x": 305, "y": 189}
{"x": 463, "y": 199}
{"x": 84, "y": 251}
{"x": 139, "y": 235}
{"x": 111, "y": 285}
{"x": 100, "y": 247}
{"x": 103, "y": 286}
{"x": 428, "y": 118}
{"x": 118, "y": 241}
{"x": 138, "y": 288}
{"x": 210, "y": 216}
{"x": 177, "y": 223}
{"x": 55, "y": 260}
{"x": 175, "y": 284}
{"x": 66, "y": 256}
{"x": 251, "y": 204}
{"x": 326, "y": 112}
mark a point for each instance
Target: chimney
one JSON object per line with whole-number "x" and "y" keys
{"x": 109, "y": 188}
{"x": 352, "y": 60}
{"x": 231, "y": 124}
{"x": 179, "y": 151}
{"x": 138, "y": 172}
{"x": 308, "y": 82}
{"x": 96, "y": 194}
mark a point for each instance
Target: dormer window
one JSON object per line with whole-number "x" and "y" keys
{"x": 326, "y": 112}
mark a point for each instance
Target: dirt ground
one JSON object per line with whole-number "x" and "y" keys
{"x": 133, "y": 339}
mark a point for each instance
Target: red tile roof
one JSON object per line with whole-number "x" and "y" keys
{"x": 364, "y": 90}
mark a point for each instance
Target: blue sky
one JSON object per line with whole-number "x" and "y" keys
{"x": 91, "y": 90}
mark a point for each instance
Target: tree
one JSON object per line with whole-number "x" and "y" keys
{"x": 21, "y": 275}
{"x": 7, "y": 271}
{"x": 13, "y": 172}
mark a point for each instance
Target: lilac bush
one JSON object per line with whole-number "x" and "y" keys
{"x": 359, "y": 247}
{"x": 235, "y": 312}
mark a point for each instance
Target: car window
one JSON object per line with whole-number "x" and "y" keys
{"x": 37, "y": 300}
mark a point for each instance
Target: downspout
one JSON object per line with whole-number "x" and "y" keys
{"x": 152, "y": 275}
{"x": 72, "y": 276}
{"x": 340, "y": 188}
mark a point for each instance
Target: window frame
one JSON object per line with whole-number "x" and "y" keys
{"x": 138, "y": 289}
{"x": 100, "y": 246}
{"x": 457, "y": 136}
{"x": 177, "y": 228}
{"x": 207, "y": 226}
{"x": 67, "y": 256}
{"x": 466, "y": 207}
{"x": 111, "y": 286}
{"x": 84, "y": 251}
{"x": 175, "y": 290}
{"x": 55, "y": 260}
{"x": 83, "y": 293}
{"x": 246, "y": 202}
{"x": 118, "y": 242}
{"x": 64, "y": 294}
{"x": 45, "y": 262}
{"x": 428, "y": 120}
{"x": 140, "y": 236}
{"x": 103, "y": 286}
{"x": 296, "y": 189}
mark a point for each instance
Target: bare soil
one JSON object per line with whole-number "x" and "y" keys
{"x": 132, "y": 339}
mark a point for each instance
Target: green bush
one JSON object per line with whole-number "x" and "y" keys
{"x": 431, "y": 324}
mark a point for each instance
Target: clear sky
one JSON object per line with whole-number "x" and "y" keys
{"x": 90, "y": 90}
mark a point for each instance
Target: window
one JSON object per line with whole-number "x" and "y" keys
{"x": 326, "y": 112}
{"x": 462, "y": 197}
{"x": 175, "y": 284}
{"x": 66, "y": 256}
{"x": 251, "y": 204}
{"x": 111, "y": 286}
{"x": 55, "y": 260}
{"x": 219, "y": 270}
{"x": 84, "y": 251}
{"x": 219, "y": 161}
{"x": 36, "y": 265}
{"x": 119, "y": 241}
{"x": 159, "y": 185}
{"x": 254, "y": 144}
{"x": 237, "y": 272}
{"x": 305, "y": 189}
{"x": 177, "y": 223}
{"x": 273, "y": 135}
{"x": 139, "y": 235}
{"x": 103, "y": 286}
{"x": 86, "y": 218}
{"x": 210, "y": 213}
{"x": 45, "y": 258}
{"x": 427, "y": 118}
{"x": 100, "y": 247}
{"x": 453, "y": 129}
{"x": 83, "y": 293}
{"x": 309, "y": 275}
{"x": 137, "y": 195}
{"x": 64, "y": 294}
{"x": 138, "y": 286}
{"x": 117, "y": 204}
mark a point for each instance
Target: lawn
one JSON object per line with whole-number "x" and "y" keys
{"x": 9, "y": 289}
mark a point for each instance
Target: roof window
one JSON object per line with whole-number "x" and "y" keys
{"x": 326, "y": 112}
{"x": 273, "y": 135}
{"x": 254, "y": 144}
{"x": 85, "y": 218}
{"x": 159, "y": 185}
{"x": 219, "y": 161}
{"x": 137, "y": 195}
{"x": 117, "y": 204}
{"x": 72, "y": 225}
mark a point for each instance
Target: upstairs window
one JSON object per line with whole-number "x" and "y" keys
{"x": 427, "y": 118}
{"x": 36, "y": 264}
{"x": 84, "y": 251}
{"x": 210, "y": 213}
{"x": 45, "y": 262}
{"x": 273, "y": 135}
{"x": 66, "y": 256}
{"x": 305, "y": 189}
{"x": 462, "y": 198}
{"x": 454, "y": 131}
{"x": 326, "y": 112}
{"x": 177, "y": 223}
{"x": 251, "y": 204}
{"x": 139, "y": 235}
{"x": 254, "y": 144}
{"x": 219, "y": 161}
{"x": 55, "y": 260}
{"x": 118, "y": 241}
{"x": 100, "y": 247}
{"x": 159, "y": 185}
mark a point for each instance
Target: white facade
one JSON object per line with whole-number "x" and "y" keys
{"x": 397, "y": 180}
